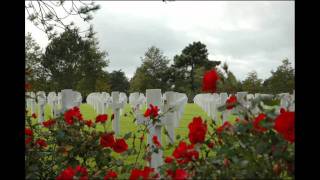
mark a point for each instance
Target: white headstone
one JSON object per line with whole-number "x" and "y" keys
{"x": 173, "y": 108}
{"x": 223, "y": 99}
{"x": 41, "y": 97}
{"x": 241, "y": 97}
{"x": 33, "y": 102}
{"x": 154, "y": 98}
{"x": 116, "y": 105}
{"x": 52, "y": 101}
{"x": 69, "y": 99}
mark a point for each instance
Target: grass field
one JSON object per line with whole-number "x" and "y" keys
{"x": 127, "y": 124}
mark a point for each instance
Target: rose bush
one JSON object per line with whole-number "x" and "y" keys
{"x": 255, "y": 146}
{"x": 69, "y": 147}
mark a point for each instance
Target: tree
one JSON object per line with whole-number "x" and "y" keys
{"x": 118, "y": 81}
{"x": 49, "y": 16}
{"x": 193, "y": 56}
{"x": 228, "y": 82}
{"x": 178, "y": 79}
{"x": 252, "y": 84}
{"x": 153, "y": 73}
{"x": 32, "y": 51}
{"x": 281, "y": 80}
{"x": 73, "y": 62}
{"x": 37, "y": 75}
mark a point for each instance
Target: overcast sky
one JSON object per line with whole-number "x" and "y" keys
{"x": 252, "y": 35}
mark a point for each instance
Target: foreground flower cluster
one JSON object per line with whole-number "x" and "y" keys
{"x": 254, "y": 146}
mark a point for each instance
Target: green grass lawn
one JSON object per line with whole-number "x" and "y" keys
{"x": 127, "y": 124}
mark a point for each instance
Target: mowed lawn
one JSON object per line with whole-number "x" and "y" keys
{"x": 127, "y": 125}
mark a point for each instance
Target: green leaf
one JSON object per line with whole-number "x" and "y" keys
{"x": 127, "y": 136}
{"x": 60, "y": 135}
{"x": 260, "y": 148}
{"x": 107, "y": 150}
{"x": 241, "y": 144}
{"x": 178, "y": 137}
{"x": 222, "y": 108}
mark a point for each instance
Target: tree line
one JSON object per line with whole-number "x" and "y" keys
{"x": 71, "y": 61}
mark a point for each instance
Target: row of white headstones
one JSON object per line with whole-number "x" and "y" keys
{"x": 171, "y": 108}
{"x": 58, "y": 102}
{"x": 210, "y": 102}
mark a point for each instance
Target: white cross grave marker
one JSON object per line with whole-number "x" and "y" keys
{"x": 116, "y": 105}
{"x": 173, "y": 107}
{"x": 226, "y": 113}
{"x": 41, "y": 97}
{"x": 68, "y": 99}
{"x": 33, "y": 102}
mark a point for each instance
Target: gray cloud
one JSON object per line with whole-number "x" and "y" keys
{"x": 247, "y": 35}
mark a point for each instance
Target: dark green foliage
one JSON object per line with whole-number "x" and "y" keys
{"x": 74, "y": 62}
{"x": 38, "y": 74}
{"x": 281, "y": 80}
{"x": 153, "y": 73}
{"x": 252, "y": 84}
{"x": 228, "y": 82}
{"x": 118, "y": 81}
{"x": 188, "y": 67}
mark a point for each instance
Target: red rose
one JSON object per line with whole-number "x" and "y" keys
{"x": 197, "y": 130}
{"x": 141, "y": 174}
{"x": 107, "y": 140}
{"x": 83, "y": 172}
{"x": 209, "y": 82}
{"x": 88, "y": 123}
{"x": 168, "y": 159}
{"x": 210, "y": 145}
{"x": 135, "y": 174}
{"x": 156, "y": 141}
{"x": 48, "y": 123}
{"x": 231, "y": 102}
{"x": 276, "y": 169}
{"x": 27, "y": 86}
{"x": 180, "y": 174}
{"x": 147, "y": 171}
{"x": 28, "y": 140}
{"x": 28, "y": 132}
{"x": 170, "y": 172}
{"x": 34, "y": 115}
{"x": 66, "y": 174}
{"x": 120, "y": 146}
{"x": 152, "y": 111}
{"x": 282, "y": 110}
{"x": 226, "y": 162}
{"x": 42, "y": 143}
{"x": 256, "y": 123}
{"x": 290, "y": 167}
{"x": 70, "y": 173}
{"x": 102, "y": 118}
{"x": 110, "y": 175}
{"x": 185, "y": 153}
{"x": 72, "y": 114}
{"x": 223, "y": 127}
{"x": 284, "y": 125}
